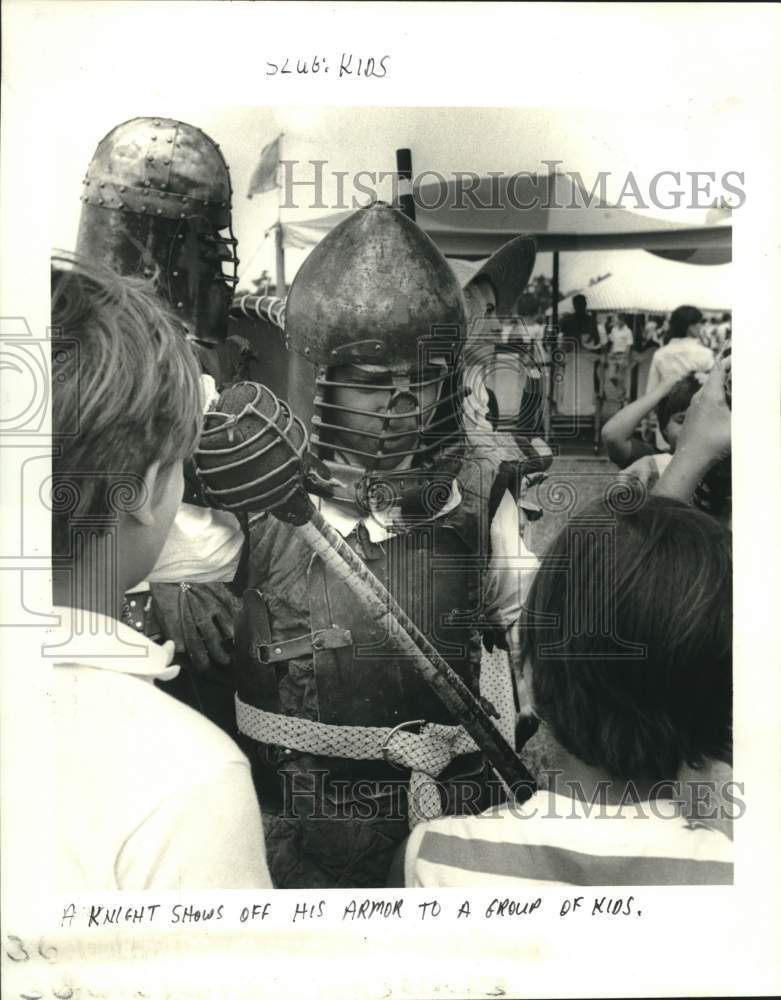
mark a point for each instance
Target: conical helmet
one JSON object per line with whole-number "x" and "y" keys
{"x": 157, "y": 202}
{"x": 375, "y": 323}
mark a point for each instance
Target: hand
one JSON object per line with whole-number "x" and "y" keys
{"x": 707, "y": 430}
{"x": 169, "y": 648}
{"x": 206, "y": 614}
{"x": 199, "y": 619}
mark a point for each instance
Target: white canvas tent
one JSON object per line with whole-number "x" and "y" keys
{"x": 560, "y": 216}
{"x": 635, "y": 281}
{"x": 566, "y": 222}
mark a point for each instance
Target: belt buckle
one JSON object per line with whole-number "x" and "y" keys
{"x": 396, "y": 729}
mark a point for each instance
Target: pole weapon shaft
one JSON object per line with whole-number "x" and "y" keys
{"x": 329, "y": 545}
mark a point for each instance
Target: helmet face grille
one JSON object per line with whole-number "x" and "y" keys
{"x": 201, "y": 276}
{"x": 389, "y": 427}
{"x": 250, "y": 452}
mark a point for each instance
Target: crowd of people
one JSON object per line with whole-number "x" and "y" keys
{"x": 615, "y": 357}
{"x": 273, "y": 727}
{"x": 642, "y": 437}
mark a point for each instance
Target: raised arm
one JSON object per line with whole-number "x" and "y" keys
{"x": 706, "y": 438}
{"x": 617, "y": 432}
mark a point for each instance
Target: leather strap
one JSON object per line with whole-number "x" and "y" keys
{"x": 303, "y": 645}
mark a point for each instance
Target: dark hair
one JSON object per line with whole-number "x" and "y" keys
{"x": 627, "y": 630}
{"x": 578, "y": 299}
{"x": 680, "y": 321}
{"x": 125, "y": 391}
{"x": 677, "y": 400}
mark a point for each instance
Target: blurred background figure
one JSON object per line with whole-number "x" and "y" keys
{"x": 708, "y": 333}
{"x": 534, "y": 328}
{"x": 723, "y": 333}
{"x": 683, "y": 353}
{"x": 652, "y": 332}
{"x": 613, "y": 375}
{"x": 580, "y": 325}
{"x": 620, "y": 337}
{"x": 580, "y": 337}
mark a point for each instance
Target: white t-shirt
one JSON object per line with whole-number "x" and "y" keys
{"x": 677, "y": 359}
{"x": 621, "y": 339}
{"x": 203, "y": 546}
{"x": 554, "y": 840}
{"x": 148, "y": 793}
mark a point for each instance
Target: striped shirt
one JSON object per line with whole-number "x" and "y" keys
{"x": 558, "y": 840}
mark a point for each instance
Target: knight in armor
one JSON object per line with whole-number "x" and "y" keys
{"x": 156, "y": 203}
{"x": 337, "y": 724}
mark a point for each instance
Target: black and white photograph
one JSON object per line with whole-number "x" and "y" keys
{"x": 371, "y": 468}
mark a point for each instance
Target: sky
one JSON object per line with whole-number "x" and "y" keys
{"x": 442, "y": 139}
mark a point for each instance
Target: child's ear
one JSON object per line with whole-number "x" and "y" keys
{"x": 144, "y": 513}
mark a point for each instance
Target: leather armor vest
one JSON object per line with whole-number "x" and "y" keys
{"x": 307, "y": 649}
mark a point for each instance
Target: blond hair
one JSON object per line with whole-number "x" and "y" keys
{"x": 125, "y": 387}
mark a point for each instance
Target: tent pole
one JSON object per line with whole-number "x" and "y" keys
{"x": 280, "y": 246}
{"x": 404, "y": 170}
{"x": 554, "y": 318}
{"x": 280, "y": 289}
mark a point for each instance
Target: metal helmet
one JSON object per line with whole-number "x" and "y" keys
{"x": 157, "y": 202}
{"x": 375, "y": 309}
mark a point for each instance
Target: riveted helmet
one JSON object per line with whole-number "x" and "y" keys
{"x": 157, "y": 202}
{"x": 375, "y": 323}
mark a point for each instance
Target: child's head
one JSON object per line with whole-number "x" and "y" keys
{"x": 126, "y": 412}
{"x": 627, "y": 635}
{"x": 671, "y": 411}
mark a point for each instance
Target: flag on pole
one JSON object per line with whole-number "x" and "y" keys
{"x": 264, "y": 177}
